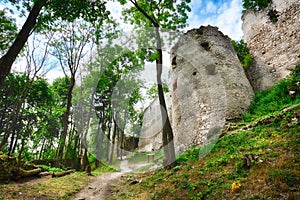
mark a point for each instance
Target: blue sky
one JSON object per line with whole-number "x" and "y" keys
{"x": 225, "y": 14}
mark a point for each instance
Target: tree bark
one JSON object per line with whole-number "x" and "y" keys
{"x": 167, "y": 135}
{"x": 113, "y": 143}
{"x": 8, "y": 59}
{"x": 108, "y": 140}
{"x": 27, "y": 173}
{"x": 66, "y": 120}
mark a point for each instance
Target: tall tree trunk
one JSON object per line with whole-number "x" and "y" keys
{"x": 11, "y": 127}
{"x": 66, "y": 120}
{"x": 42, "y": 149}
{"x": 98, "y": 150}
{"x": 16, "y": 142}
{"x": 84, "y": 149}
{"x": 101, "y": 142}
{"x": 8, "y": 59}
{"x": 108, "y": 140}
{"x": 167, "y": 135}
{"x": 22, "y": 148}
{"x": 113, "y": 143}
{"x": 12, "y": 141}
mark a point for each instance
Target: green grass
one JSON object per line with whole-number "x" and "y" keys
{"x": 272, "y": 101}
{"x": 141, "y": 157}
{"x": 221, "y": 174}
{"x": 50, "y": 169}
{"x": 219, "y": 171}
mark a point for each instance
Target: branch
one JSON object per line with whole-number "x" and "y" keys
{"x": 152, "y": 20}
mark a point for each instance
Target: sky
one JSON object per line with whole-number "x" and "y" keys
{"x": 225, "y": 14}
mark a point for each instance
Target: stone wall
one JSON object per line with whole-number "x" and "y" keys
{"x": 151, "y": 131}
{"x": 275, "y": 45}
{"x": 209, "y": 86}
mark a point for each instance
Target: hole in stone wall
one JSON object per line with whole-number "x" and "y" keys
{"x": 194, "y": 73}
{"x": 210, "y": 69}
{"x": 173, "y": 62}
{"x": 205, "y": 45}
{"x": 273, "y": 15}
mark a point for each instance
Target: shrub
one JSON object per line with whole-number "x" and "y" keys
{"x": 242, "y": 52}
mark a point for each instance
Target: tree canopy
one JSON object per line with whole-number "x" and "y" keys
{"x": 255, "y": 4}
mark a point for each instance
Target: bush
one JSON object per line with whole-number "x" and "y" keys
{"x": 242, "y": 52}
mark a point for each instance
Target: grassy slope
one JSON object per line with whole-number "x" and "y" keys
{"x": 222, "y": 174}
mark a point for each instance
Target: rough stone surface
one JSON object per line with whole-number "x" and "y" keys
{"x": 275, "y": 46}
{"x": 151, "y": 131}
{"x": 209, "y": 86}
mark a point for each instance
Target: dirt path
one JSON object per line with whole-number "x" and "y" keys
{"x": 98, "y": 189}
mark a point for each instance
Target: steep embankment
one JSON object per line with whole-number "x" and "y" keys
{"x": 258, "y": 163}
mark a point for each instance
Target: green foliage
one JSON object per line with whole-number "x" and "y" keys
{"x": 255, "y": 5}
{"x": 191, "y": 154}
{"x": 50, "y": 169}
{"x": 153, "y": 91}
{"x": 243, "y": 52}
{"x": 269, "y": 101}
{"x": 8, "y": 30}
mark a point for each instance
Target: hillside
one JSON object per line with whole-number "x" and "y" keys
{"x": 256, "y": 158}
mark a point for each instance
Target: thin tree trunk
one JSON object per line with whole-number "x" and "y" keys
{"x": 103, "y": 129}
{"x": 113, "y": 143}
{"x": 42, "y": 149}
{"x": 98, "y": 150}
{"x": 66, "y": 120}
{"x": 12, "y": 140}
{"x": 16, "y": 142}
{"x": 167, "y": 137}
{"x": 108, "y": 140}
{"x": 21, "y": 149}
{"x": 8, "y": 59}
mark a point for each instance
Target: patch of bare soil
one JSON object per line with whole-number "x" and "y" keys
{"x": 99, "y": 188}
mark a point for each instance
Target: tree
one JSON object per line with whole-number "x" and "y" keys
{"x": 7, "y": 59}
{"x": 243, "y": 52}
{"x": 68, "y": 46}
{"x": 152, "y": 91}
{"x": 255, "y": 4}
{"x": 92, "y": 11}
{"x": 7, "y": 30}
{"x": 114, "y": 64}
{"x": 157, "y": 14}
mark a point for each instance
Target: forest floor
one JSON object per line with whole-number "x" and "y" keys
{"x": 67, "y": 187}
{"x": 99, "y": 188}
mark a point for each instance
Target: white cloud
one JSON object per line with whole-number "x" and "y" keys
{"x": 227, "y": 16}
{"x": 210, "y": 8}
